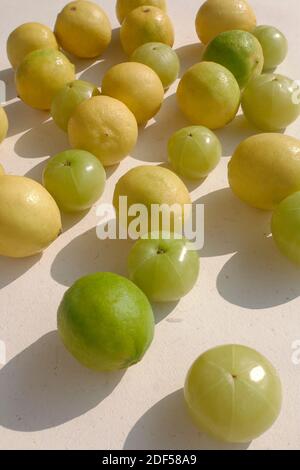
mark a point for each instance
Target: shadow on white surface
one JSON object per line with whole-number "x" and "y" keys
{"x": 152, "y": 145}
{"x": 112, "y": 56}
{"x": 162, "y": 310}
{"x": 153, "y": 139}
{"x": 44, "y": 386}
{"x": 36, "y": 172}
{"x": 167, "y": 426}
{"x": 43, "y": 140}
{"x": 11, "y": 269}
{"x": 8, "y": 77}
{"x": 259, "y": 277}
{"x": 22, "y": 117}
{"x": 189, "y": 55}
{"x": 230, "y": 225}
{"x": 190, "y": 183}
{"x": 86, "y": 254}
{"x": 234, "y": 133}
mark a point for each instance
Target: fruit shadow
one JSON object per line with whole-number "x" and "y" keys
{"x": 87, "y": 254}
{"x": 112, "y": 56}
{"x": 234, "y": 133}
{"x": 21, "y": 117}
{"x": 43, "y": 387}
{"x": 153, "y": 139}
{"x": 191, "y": 184}
{"x": 167, "y": 426}
{"x": 229, "y": 224}
{"x": 257, "y": 276}
{"x": 152, "y": 145}
{"x": 8, "y": 77}
{"x": 12, "y": 269}
{"x": 189, "y": 55}
{"x": 43, "y": 140}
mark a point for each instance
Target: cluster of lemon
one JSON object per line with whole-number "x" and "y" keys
{"x": 209, "y": 94}
{"x": 263, "y": 171}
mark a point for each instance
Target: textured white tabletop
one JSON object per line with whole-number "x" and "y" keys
{"x": 247, "y": 292}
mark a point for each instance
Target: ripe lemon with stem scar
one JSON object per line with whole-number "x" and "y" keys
{"x": 146, "y": 24}
{"x": 29, "y": 217}
{"x": 104, "y": 127}
{"x": 153, "y": 186}
{"x": 265, "y": 169}
{"x": 136, "y": 85}
{"x": 27, "y": 38}
{"x": 123, "y": 7}
{"x": 83, "y": 29}
{"x": 216, "y": 16}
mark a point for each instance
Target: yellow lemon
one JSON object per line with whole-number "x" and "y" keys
{"x": 83, "y": 29}
{"x": 1, "y": 170}
{"x": 27, "y": 38}
{"x": 41, "y": 75}
{"x": 216, "y": 16}
{"x": 146, "y": 24}
{"x": 265, "y": 169}
{"x": 105, "y": 127}
{"x": 209, "y": 95}
{"x": 29, "y": 217}
{"x": 3, "y": 124}
{"x": 123, "y": 7}
{"x": 136, "y": 85}
{"x": 153, "y": 185}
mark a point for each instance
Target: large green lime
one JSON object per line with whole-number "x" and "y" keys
{"x": 238, "y": 51}
{"x": 106, "y": 322}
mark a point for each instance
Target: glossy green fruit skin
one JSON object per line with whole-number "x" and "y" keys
{"x": 286, "y": 227}
{"x": 68, "y": 98}
{"x": 75, "y": 179}
{"x": 233, "y": 393}
{"x": 106, "y": 322}
{"x": 274, "y": 45}
{"x": 271, "y": 102}
{"x": 165, "y": 269}
{"x": 194, "y": 151}
{"x": 238, "y": 51}
{"x": 161, "y": 58}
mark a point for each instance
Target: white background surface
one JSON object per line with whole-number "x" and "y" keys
{"x": 247, "y": 292}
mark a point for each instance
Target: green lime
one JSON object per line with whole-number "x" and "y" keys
{"x": 106, "y": 322}
{"x": 238, "y": 51}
